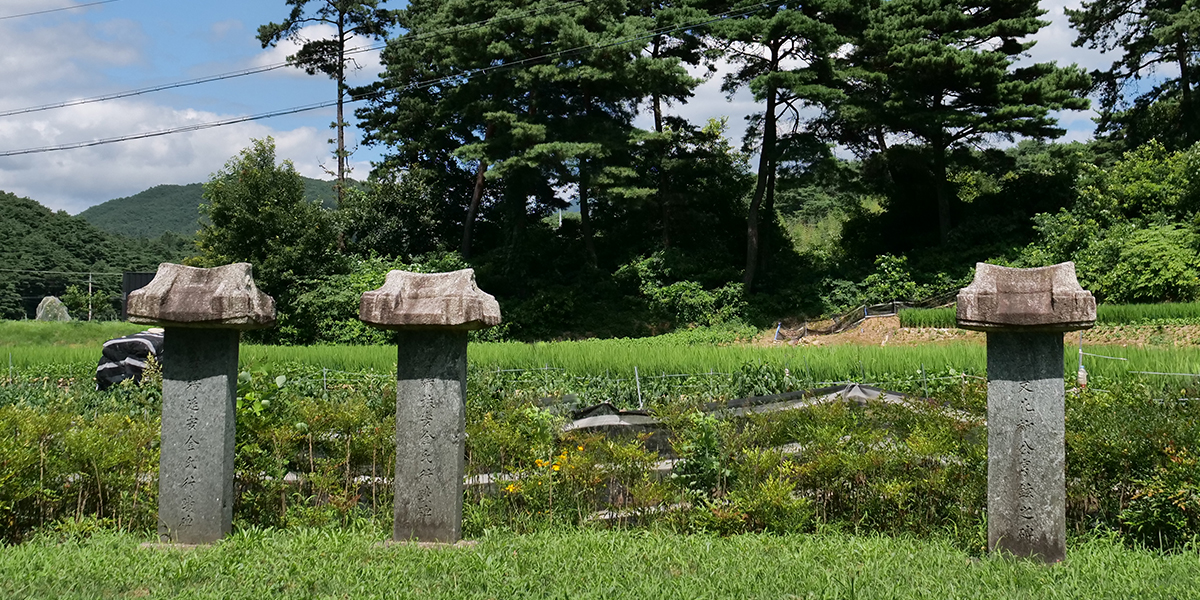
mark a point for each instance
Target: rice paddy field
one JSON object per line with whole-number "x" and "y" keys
{"x": 1106, "y": 314}
{"x": 651, "y": 357}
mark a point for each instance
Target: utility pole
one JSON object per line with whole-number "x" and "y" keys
{"x": 89, "y": 296}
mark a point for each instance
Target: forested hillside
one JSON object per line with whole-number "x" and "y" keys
{"x": 46, "y": 253}
{"x": 174, "y": 209}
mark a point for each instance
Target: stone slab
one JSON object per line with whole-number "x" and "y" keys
{"x": 1041, "y": 299}
{"x": 429, "y": 300}
{"x": 431, "y": 386}
{"x": 195, "y": 476}
{"x": 220, "y": 297}
{"x": 1026, "y": 445}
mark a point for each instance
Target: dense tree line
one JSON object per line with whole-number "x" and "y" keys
{"x": 534, "y": 141}
{"x": 878, "y": 166}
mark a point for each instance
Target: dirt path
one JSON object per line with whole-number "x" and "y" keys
{"x": 886, "y": 331}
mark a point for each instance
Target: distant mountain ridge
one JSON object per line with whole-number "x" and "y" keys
{"x": 173, "y": 208}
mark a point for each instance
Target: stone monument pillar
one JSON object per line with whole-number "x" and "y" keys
{"x": 1025, "y": 312}
{"x": 203, "y": 311}
{"x": 432, "y": 313}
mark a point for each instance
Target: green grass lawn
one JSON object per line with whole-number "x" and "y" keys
{"x": 73, "y": 334}
{"x": 580, "y": 564}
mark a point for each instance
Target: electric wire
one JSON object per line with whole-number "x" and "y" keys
{"x": 52, "y": 10}
{"x": 280, "y": 65}
{"x": 465, "y": 75}
{"x": 58, "y": 272}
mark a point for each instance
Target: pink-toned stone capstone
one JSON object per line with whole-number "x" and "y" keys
{"x": 1044, "y": 299}
{"x": 222, "y": 297}
{"x": 430, "y": 301}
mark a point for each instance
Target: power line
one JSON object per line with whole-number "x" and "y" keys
{"x": 57, "y": 272}
{"x": 42, "y": 12}
{"x": 271, "y": 67}
{"x": 470, "y": 74}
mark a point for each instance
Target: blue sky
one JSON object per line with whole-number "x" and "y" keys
{"x": 129, "y": 44}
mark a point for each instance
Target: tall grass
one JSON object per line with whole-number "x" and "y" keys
{"x": 71, "y": 333}
{"x": 619, "y": 358}
{"x": 338, "y": 563}
{"x": 1106, "y": 314}
{"x": 930, "y": 318}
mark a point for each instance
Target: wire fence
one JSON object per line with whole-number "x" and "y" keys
{"x": 844, "y": 321}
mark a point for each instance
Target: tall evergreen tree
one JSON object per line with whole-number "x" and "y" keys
{"x": 526, "y": 97}
{"x": 362, "y": 19}
{"x": 783, "y": 53}
{"x": 942, "y": 74}
{"x": 1149, "y": 34}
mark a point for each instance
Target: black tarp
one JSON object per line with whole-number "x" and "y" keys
{"x": 125, "y": 358}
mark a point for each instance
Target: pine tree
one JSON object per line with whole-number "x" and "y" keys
{"x": 783, "y": 53}
{"x": 941, "y": 74}
{"x": 533, "y": 96}
{"x": 1149, "y": 34}
{"x": 362, "y": 19}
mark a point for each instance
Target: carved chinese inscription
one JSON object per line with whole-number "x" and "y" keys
{"x": 430, "y": 416}
{"x": 1026, "y": 477}
{"x": 196, "y": 463}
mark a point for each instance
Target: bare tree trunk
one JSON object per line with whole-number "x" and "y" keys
{"x": 585, "y": 214}
{"x": 1185, "y": 89}
{"x": 341, "y": 124}
{"x": 476, "y": 197}
{"x": 766, "y": 165}
{"x": 943, "y": 194}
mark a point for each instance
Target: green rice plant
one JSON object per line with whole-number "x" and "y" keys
{"x": 71, "y": 333}
{"x": 939, "y": 318}
{"x": 1132, "y": 314}
{"x": 1182, "y": 313}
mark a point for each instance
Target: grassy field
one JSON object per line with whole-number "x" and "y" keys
{"x": 579, "y": 564}
{"x": 73, "y": 334}
{"x": 74, "y": 348}
{"x": 1106, "y": 314}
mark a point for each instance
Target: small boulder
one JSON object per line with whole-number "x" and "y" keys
{"x": 52, "y": 309}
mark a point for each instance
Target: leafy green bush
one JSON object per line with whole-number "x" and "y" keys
{"x": 1165, "y": 510}
{"x": 317, "y": 448}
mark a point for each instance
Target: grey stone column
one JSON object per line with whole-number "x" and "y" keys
{"x": 195, "y": 481}
{"x": 1026, "y": 444}
{"x": 203, "y": 311}
{"x": 432, "y": 313}
{"x": 431, "y": 392}
{"x": 1025, "y": 312}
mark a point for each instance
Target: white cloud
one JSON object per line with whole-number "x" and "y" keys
{"x": 42, "y": 69}
{"x": 1054, "y": 42}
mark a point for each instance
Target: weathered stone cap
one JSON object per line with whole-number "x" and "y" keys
{"x": 1042, "y": 299}
{"x": 222, "y": 297}
{"x": 429, "y": 301}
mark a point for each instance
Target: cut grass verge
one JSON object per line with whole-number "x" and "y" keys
{"x": 579, "y": 564}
